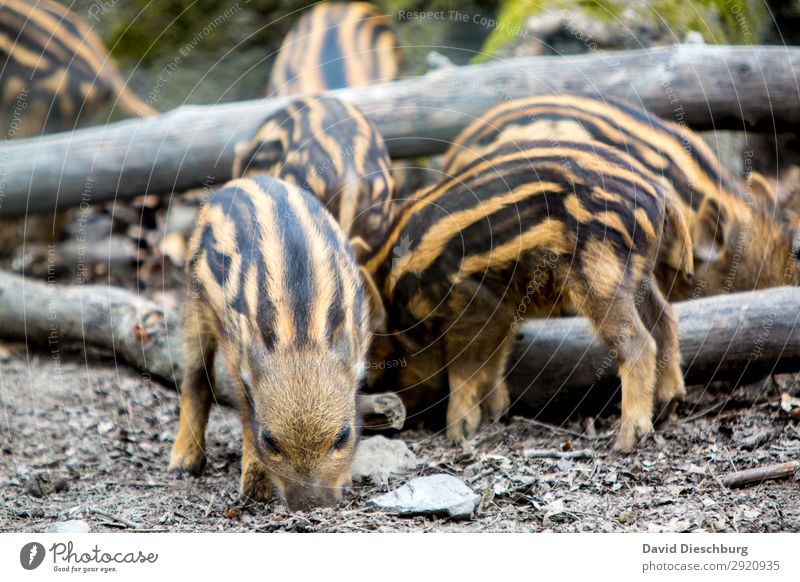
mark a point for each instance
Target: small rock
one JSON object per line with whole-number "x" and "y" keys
{"x": 105, "y": 427}
{"x": 751, "y": 514}
{"x": 377, "y": 458}
{"x": 500, "y": 488}
{"x": 564, "y": 465}
{"x": 71, "y": 526}
{"x": 434, "y": 495}
{"x": 43, "y": 484}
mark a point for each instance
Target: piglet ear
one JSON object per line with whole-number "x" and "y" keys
{"x": 257, "y": 156}
{"x": 377, "y": 309}
{"x": 761, "y": 190}
{"x": 710, "y": 232}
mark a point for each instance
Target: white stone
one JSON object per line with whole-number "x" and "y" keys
{"x": 434, "y": 495}
{"x": 378, "y": 458}
{"x": 71, "y": 526}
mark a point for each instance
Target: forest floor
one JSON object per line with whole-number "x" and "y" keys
{"x": 84, "y": 438}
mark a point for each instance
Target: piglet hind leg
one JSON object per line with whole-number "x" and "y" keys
{"x": 188, "y": 451}
{"x": 621, "y": 329}
{"x": 659, "y": 319}
{"x": 496, "y": 399}
{"x": 463, "y": 405}
{"x": 474, "y": 373}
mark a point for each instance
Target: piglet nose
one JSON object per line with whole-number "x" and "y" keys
{"x": 304, "y": 497}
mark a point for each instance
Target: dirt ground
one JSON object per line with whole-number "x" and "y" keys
{"x": 91, "y": 441}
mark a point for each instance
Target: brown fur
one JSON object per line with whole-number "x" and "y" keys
{"x": 364, "y": 50}
{"x": 448, "y": 305}
{"x": 740, "y": 241}
{"x": 328, "y": 147}
{"x": 286, "y": 313}
{"x": 56, "y": 71}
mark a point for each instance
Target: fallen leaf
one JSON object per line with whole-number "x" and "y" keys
{"x": 234, "y": 513}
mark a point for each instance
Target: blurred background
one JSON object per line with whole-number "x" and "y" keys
{"x": 226, "y": 48}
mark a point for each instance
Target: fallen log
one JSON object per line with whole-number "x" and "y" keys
{"x": 40, "y": 259}
{"x": 138, "y": 331}
{"x": 759, "y": 474}
{"x": 720, "y": 87}
{"x": 556, "y": 365}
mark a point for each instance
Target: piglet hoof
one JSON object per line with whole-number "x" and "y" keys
{"x": 464, "y": 426}
{"x": 670, "y": 394}
{"x": 189, "y": 460}
{"x": 630, "y": 433}
{"x": 497, "y": 403}
{"x": 254, "y": 488}
{"x": 665, "y": 412}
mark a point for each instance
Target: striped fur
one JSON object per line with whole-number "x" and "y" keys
{"x": 55, "y": 69}
{"x": 275, "y": 290}
{"x": 328, "y": 147}
{"x": 336, "y": 45}
{"x": 530, "y": 230}
{"x": 738, "y": 240}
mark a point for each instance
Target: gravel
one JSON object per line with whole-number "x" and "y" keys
{"x": 106, "y": 431}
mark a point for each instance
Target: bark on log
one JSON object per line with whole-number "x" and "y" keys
{"x": 759, "y": 474}
{"x": 138, "y": 331}
{"x": 733, "y": 87}
{"x": 558, "y": 366}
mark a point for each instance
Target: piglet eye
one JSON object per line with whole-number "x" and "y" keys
{"x": 343, "y": 437}
{"x": 269, "y": 443}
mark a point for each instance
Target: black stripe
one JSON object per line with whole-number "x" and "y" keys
{"x": 708, "y": 166}
{"x": 507, "y": 223}
{"x": 294, "y": 253}
{"x": 218, "y": 263}
{"x": 333, "y": 254}
{"x": 333, "y": 65}
{"x": 240, "y": 208}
